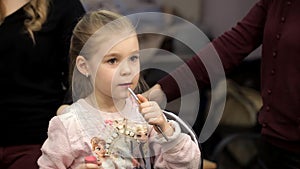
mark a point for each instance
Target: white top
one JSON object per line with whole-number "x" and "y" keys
{"x": 70, "y": 134}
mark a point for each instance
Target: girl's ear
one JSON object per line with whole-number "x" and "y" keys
{"x": 82, "y": 66}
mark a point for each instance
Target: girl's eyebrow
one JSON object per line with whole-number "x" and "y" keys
{"x": 112, "y": 54}
{"x": 135, "y": 52}
{"x": 115, "y": 53}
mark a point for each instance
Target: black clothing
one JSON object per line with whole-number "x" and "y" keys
{"x": 32, "y": 74}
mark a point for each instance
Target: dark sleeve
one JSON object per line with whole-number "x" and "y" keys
{"x": 73, "y": 11}
{"x": 231, "y": 48}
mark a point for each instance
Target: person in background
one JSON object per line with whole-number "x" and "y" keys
{"x": 274, "y": 25}
{"x": 105, "y": 62}
{"x": 34, "y": 45}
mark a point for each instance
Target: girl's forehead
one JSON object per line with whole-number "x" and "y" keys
{"x": 129, "y": 44}
{"x": 123, "y": 45}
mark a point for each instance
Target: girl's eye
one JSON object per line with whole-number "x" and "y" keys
{"x": 98, "y": 148}
{"x": 112, "y": 61}
{"x": 134, "y": 58}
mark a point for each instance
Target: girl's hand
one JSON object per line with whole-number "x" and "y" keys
{"x": 88, "y": 166}
{"x": 91, "y": 162}
{"x": 154, "y": 115}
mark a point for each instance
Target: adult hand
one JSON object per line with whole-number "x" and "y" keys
{"x": 155, "y": 93}
{"x": 61, "y": 109}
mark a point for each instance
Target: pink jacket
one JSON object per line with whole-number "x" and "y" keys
{"x": 69, "y": 139}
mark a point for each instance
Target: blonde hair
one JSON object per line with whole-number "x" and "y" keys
{"x": 36, "y": 10}
{"x": 83, "y": 31}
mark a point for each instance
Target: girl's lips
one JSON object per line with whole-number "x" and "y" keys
{"x": 125, "y": 84}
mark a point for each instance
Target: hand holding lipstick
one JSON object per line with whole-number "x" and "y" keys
{"x": 154, "y": 116}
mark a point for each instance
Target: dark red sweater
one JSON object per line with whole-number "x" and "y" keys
{"x": 276, "y": 25}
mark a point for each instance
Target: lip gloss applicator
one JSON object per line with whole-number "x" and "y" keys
{"x": 139, "y": 102}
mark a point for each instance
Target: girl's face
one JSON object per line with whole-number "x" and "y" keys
{"x": 118, "y": 70}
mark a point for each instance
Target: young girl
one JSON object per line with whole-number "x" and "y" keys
{"x": 105, "y": 57}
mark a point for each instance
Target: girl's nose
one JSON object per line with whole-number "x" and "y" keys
{"x": 125, "y": 68}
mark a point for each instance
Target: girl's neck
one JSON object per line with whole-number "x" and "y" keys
{"x": 107, "y": 105}
{"x": 13, "y": 5}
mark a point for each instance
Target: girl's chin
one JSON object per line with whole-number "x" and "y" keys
{"x": 121, "y": 95}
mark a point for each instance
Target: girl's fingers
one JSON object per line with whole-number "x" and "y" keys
{"x": 151, "y": 115}
{"x": 153, "y": 118}
{"x": 142, "y": 98}
{"x": 148, "y": 109}
{"x": 88, "y": 166}
{"x": 91, "y": 166}
{"x": 149, "y": 104}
